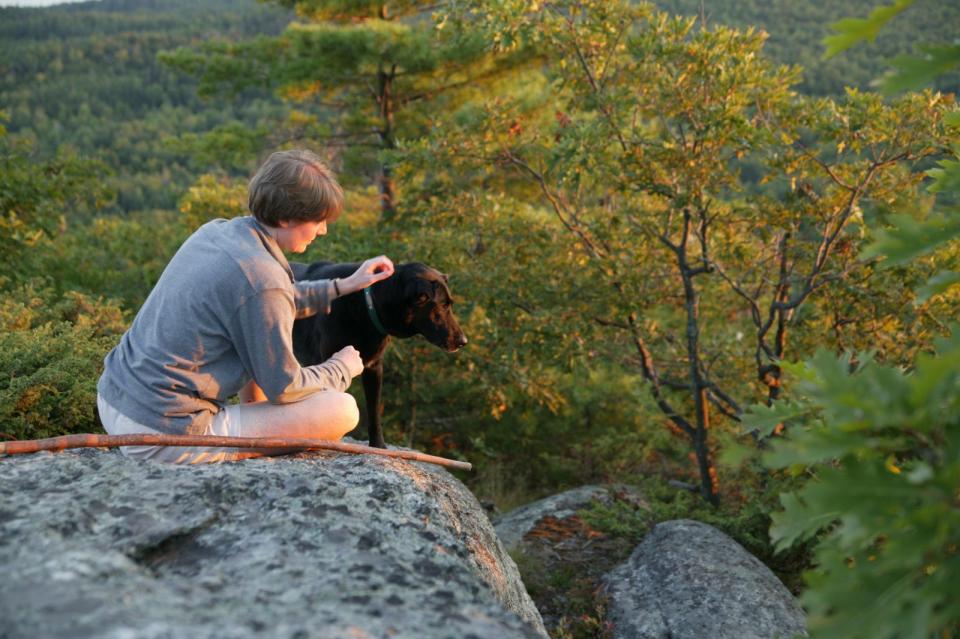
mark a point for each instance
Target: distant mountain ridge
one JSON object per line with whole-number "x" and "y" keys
{"x": 86, "y": 75}
{"x": 797, "y": 28}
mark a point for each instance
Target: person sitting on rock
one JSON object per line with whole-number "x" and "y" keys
{"x": 219, "y": 321}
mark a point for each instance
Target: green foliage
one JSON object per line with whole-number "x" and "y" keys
{"x": 938, "y": 284}
{"x": 619, "y": 162}
{"x": 53, "y": 84}
{"x": 51, "y": 389}
{"x": 51, "y": 352}
{"x": 119, "y": 258}
{"x": 884, "y": 458}
{"x": 230, "y": 147}
{"x": 763, "y": 419}
{"x": 797, "y": 31}
{"x": 910, "y": 71}
{"x": 880, "y": 443}
{"x": 369, "y": 75}
{"x": 37, "y": 197}
{"x": 850, "y": 31}
{"x": 909, "y": 238}
{"x": 210, "y": 198}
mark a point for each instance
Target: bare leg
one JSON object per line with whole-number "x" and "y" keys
{"x": 324, "y": 415}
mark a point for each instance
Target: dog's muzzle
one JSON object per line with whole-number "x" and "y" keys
{"x": 459, "y": 342}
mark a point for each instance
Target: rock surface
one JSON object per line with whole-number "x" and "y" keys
{"x": 314, "y": 545}
{"x": 561, "y": 557}
{"x": 688, "y": 580}
{"x": 512, "y": 526}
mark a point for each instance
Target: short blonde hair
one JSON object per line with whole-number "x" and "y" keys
{"x": 294, "y": 186}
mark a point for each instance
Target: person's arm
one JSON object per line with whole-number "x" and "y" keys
{"x": 313, "y": 296}
{"x": 262, "y": 334}
{"x": 370, "y": 272}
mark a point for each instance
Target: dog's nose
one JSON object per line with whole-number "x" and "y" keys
{"x": 462, "y": 340}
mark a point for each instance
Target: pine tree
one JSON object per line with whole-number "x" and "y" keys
{"x": 370, "y": 71}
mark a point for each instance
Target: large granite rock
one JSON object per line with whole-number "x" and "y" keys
{"x": 93, "y": 544}
{"x": 688, "y": 580}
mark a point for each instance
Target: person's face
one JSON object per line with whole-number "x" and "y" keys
{"x": 296, "y": 236}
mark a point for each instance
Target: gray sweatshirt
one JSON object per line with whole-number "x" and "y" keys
{"x": 221, "y": 314}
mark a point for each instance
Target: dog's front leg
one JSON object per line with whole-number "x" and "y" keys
{"x": 372, "y": 382}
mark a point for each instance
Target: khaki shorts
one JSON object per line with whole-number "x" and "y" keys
{"x": 227, "y": 423}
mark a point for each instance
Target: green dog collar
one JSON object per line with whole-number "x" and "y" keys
{"x": 372, "y": 312}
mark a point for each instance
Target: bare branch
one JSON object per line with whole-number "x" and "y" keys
{"x": 738, "y": 289}
{"x": 558, "y": 208}
{"x": 605, "y": 322}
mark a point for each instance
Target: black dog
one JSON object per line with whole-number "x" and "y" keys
{"x": 415, "y": 300}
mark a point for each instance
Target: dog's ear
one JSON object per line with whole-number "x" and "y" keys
{"x": 419, "y": 291}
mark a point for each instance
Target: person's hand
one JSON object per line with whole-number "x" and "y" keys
{"x": 351, "y": 357}
{"x": 370, "y": 272}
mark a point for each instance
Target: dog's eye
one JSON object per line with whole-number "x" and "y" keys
{"x": 423, "y": 298}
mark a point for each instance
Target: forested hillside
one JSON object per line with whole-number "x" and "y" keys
{"x": 796, "y": 30}
{"x": 86, "y": 76}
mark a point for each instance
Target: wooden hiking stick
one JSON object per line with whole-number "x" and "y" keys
{"x": 91, "y": 440}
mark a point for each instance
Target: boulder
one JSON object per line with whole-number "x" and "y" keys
{"x": 562, "y": 558}
{"x": 688, "y": 580}
{"x": 514, "y": 525}
{"x": 320, "y": 544}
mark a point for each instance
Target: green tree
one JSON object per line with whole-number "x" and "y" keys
{"x": 634, "y": 141}
{"x": 366, "y": 71}
{"x": 52, "y": 342}
{"x": 51, "y": 63}
{"x": 36, "y": 199}
{"x": 910, "y": 237}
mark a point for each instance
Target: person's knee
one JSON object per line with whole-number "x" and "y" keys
{"x": 345, "y": 412}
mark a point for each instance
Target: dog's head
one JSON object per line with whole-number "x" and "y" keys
{"x": 428, "y": 306}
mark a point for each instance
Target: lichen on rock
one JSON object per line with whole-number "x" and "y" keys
{"x": 319, "y": 544}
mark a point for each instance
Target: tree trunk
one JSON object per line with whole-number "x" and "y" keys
{"x": 385, "y": 98}
{"x": 698, "y": 385}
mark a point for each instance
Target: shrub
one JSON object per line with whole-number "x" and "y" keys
{"x": 51, "y": 352}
